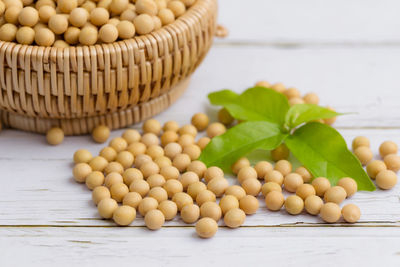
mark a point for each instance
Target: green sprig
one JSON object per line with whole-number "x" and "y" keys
{"x": 270, "y": 121}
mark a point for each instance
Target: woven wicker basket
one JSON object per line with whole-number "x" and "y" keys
{"x": 115, "y": 84}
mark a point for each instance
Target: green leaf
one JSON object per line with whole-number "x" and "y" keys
{"x": 324, "y": 152}
{"x": 255, "y": 104}
{"x": 223, "y": 97}
{"x": 245, "y": 137}
{"x": 301, "y": 113}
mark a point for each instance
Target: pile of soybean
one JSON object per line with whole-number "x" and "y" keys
{"x": 63, "y": 23}
{"x": 156, "y": 174}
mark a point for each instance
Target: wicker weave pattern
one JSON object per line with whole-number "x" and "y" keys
{"x": 84, "y": 125}
{"x": 82, "y": 86}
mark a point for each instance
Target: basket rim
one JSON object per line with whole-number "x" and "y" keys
{"x": 192, "y": 11}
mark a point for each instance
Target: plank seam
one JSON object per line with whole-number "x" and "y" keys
{"x": 304, "y": 44}
{"x": 300, "y": 225}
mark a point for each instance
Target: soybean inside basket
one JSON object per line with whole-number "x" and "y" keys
{"x": 118, "y": 84}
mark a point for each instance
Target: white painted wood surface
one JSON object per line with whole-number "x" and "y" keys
{"x": 346, "y": 51}
{"x": 278, "y": 246}
{"x": 296, "y": 23}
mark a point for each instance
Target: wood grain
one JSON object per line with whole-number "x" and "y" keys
{"x": 361, "y": 81}
{"x": 294, "y": 23}
{"x": 40, "y": 189}
{"x": 177, "y": 247}
{"x": 41, "y": 178}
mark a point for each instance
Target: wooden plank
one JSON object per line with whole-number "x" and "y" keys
{"x": 311, "y": 22}
{"x": 362, "y": 81}
{"x": 177, "y": 247}
{"x": 40, "y": 189}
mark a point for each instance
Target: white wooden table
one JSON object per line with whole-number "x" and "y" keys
{"x": 346, "y": 51}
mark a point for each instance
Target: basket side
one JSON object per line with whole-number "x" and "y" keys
{"x": 115, "y": 120}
